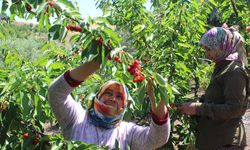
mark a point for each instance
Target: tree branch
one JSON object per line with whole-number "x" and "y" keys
{"x": 234, "y": 8}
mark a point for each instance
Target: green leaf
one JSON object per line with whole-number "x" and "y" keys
{"x": 156, "y": 93}
{"x": 63, "y": 33}
{"x": 137, "y": 29}
{"x": 75, "y": 38}
{"x": 103, "y": 20}
{"x": 6, "y": 88}
{"x": 41, "y": 9}
{"x": 9, "y": 116}
{"x": 25, "y": 99}
{"x": 164, "y": 94}
{"x": 186, "y": 45}
{"x": 70, "y": 145}
{"x": 142, "y": 91}
{"x": 87, "y": 40}
{"x": 68, "y": 4}
{"x": 159, "y": 79}
{"x": 57, "y": 146}
{"x": 54, "y": 32}
{"x": 47, "y": 23}
{"x": 175, "y": 90}
{"x": 170, "y": 92}
{"x": 150, "y": 37}
{"x": 5, "y": 5}
{"x": 57, "y": 65}
{"x": 37, "y": 105}
{"x": 156, "y": 3}
{"x": 41, "y": 22}
{"x": 128, "y": 147}
{"x": 213, "y": 2}
{"x": 91, "y": 52}
{"x": 114, "y": 36}
{"x": 13, "y": 59}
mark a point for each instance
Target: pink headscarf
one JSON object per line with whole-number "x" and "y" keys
{"x": 227, "y": 43}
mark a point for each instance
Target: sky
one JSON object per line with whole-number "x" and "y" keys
{"x": 86, "y": 7}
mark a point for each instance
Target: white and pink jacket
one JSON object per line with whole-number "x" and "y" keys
{"x": 75, "y": 124}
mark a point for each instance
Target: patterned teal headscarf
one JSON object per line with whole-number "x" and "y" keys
{"x": 227, "y": 43}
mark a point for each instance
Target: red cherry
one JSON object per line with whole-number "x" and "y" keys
{"x": 129, "y": 70}
{"x": 116, "y": 58}
{"x": 132, "y": 71}
{"x": 109, "y": 57}
{"x": 47, "y": 10}
{"x": 139, "y": 78}
{"x": 136, "y": 79}
{"x": 70, "y": 27}
{"x": 25, "y": 135}
{"x": 47, "y": 143}
{"x": 108, "y": 46}
{"x": 146, "y": 60}
{"x": 28, "y": 7}
{"x": 248, "y": 29}
{"x": 137, "y": 72}
{"x": 136, "y": 63}
{"x": 99, "y": 42}
{"x": 51, "y": 4}
{"x": 73, "y": 28}
{"x": 142, "y": 77}
{"x": 78, "y": 28}
{"x": 35, "y": 141}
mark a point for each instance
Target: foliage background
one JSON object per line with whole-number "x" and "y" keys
{"x": 168, "y": 35}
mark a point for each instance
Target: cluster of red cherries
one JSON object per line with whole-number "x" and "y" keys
{"x": 74, "y": 28}
{"x": 28, "y": 7}
{"x": 135, "y": 70}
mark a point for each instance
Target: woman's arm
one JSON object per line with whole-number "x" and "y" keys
{"x": 157, "y": 134}
{"x": 83, "y": 71}
{"x": 234, "y": 93}
{"x": 66, "y": 110}
{"x": 160, "y": 111}
{"x": 151, "y": 137}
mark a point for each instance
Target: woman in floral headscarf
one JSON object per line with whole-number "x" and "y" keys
{"x": 221, "y": 109}
{"x": 102, "y": 123}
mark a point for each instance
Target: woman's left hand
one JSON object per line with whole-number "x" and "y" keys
{"x": 160, "y": 110}
{"x": 188, "y": 108}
